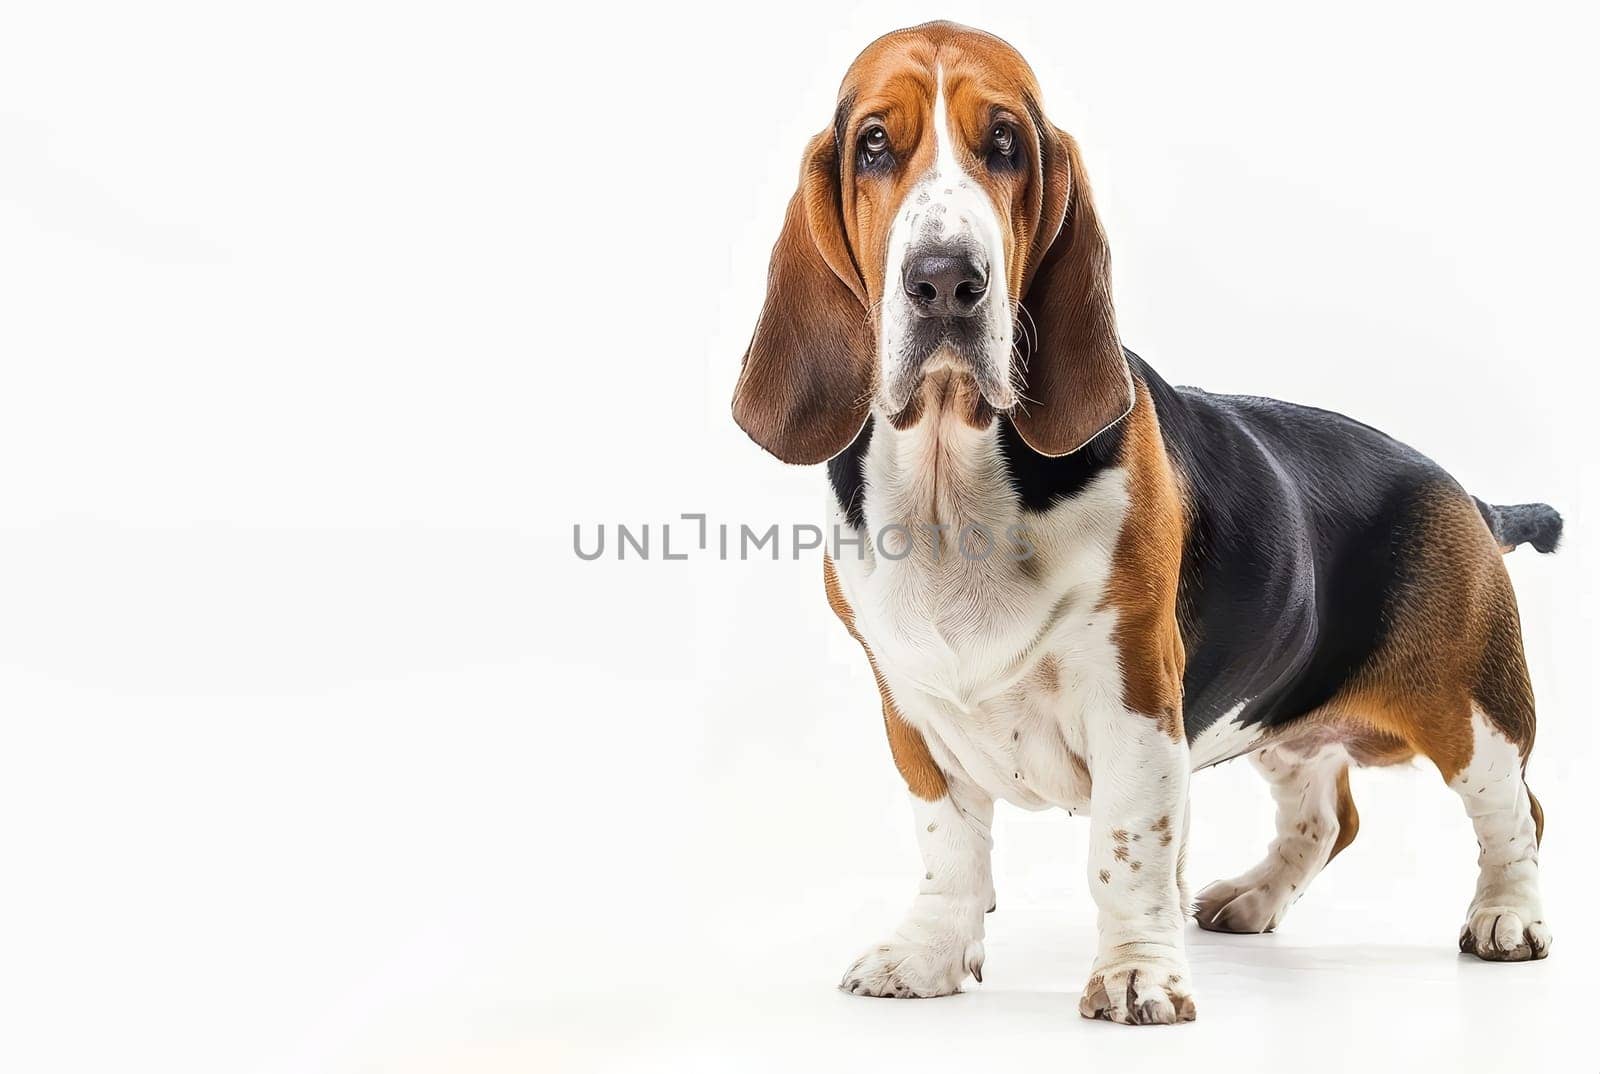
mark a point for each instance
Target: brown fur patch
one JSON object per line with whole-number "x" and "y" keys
{"x": 946, "y": 391}
{"x": 804, "y": 389}
{"x": 1454, "y": 642}
{"x": 1048, "y": 673}
{"x": 910, "y": 750}
{"x": 1143, "y": 587}
{"x": 1163, "y": 828}
{"x": 1375, "y": 749}
{"x": 1345, "y": 810}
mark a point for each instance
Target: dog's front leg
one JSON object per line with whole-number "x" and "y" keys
{"x": 941, "y": 939}
{"x": 1140, "y": 773}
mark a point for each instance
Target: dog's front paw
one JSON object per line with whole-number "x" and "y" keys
{"x": 906, "y": 970}
{"x": 1144, "y": 990}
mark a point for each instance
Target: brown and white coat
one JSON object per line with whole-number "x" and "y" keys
{"x": 1076, "y": 584}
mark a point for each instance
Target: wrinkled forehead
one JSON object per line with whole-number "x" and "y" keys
{"x": 900, "y": 72}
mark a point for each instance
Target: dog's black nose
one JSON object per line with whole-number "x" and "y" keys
{"x": 945, "y": 283}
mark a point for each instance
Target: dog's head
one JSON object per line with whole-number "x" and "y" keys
{"x": 942, "y": 226}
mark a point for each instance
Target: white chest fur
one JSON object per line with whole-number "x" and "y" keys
{"x": 988, "y": 624}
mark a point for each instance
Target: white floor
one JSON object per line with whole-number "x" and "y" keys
{"x": 1350, "y": 995}
{"x": 431, "y": 872}
{"x": 1364, "y": 975}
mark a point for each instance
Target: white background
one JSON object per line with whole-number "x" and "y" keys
{"x": 322, "y": 324}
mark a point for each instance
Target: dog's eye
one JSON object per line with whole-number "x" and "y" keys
{"x": 1004, "y": 151}
{"x": 874, "y": 152}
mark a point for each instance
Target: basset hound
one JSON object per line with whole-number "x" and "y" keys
{"x": 1076, "y": 583}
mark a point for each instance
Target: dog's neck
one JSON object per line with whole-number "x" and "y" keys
{"x": 938, "y": 462}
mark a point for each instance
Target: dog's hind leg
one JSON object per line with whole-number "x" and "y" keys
{"x": 1505, "y": 922}
{"x": 1475, "y": 720}
{"x": 1316, "y": 820}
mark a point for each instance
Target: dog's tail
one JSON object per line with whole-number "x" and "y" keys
{"x": 1537, "y": 524}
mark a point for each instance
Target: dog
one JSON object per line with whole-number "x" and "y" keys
{"x": 1171, "y": 578}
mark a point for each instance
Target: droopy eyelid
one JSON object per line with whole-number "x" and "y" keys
{"x": 999, "y": 114}
{"x": 867, "y": 122}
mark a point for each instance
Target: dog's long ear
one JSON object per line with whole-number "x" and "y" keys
{"x": 1077, "y": 382}
{"x": 807, "y": 380}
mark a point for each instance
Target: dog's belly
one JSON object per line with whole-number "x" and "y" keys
{"x": 1018, "y": 735}
{"x": 1025, "y": 744}
{"x": 1225, "y": 738}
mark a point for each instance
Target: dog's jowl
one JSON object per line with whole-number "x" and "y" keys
{"x": 1174, "y": 578}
